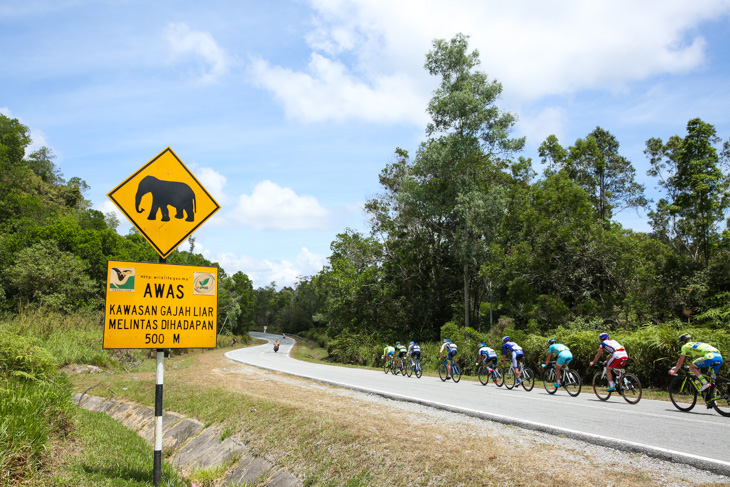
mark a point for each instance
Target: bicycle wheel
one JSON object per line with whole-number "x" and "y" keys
{"x": 600, "y": 384}
{"x": 409, "y": 369}
{"x": 631, "y": 388}
{"x": 442, "y": 372}
{"x": 498, "y": 375}
{"x": 682, "y": 393}
{"x": 386, "y": 367}
{"x": 483, "y": 375}
{"x": 528, "y": 379}
{"x": 418, "y": 369}
{"x": 722, "y": 397}
{"x": 572, "y": 382}
{"x": 509, "y": 378}
{"x": 455, "y": 373}
{"x": 548, "y": 380}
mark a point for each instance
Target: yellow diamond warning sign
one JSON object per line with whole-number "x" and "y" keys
{"x": 164, "y": 201}
{"x": 160, "y": 306}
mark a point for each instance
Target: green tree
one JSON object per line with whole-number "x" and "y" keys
{"x": 690, "y": 171}
{"x": 469, "y": 146}
{"x": 596, "y": 165}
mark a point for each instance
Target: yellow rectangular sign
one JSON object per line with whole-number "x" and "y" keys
{"x": 160, "y": 306}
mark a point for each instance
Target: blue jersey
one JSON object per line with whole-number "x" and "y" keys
{"x": 558, "y": 348}
{"x": 488, "y": 352}
{"x": 510, "y": 347}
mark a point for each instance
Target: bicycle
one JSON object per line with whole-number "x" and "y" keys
{"x": 626, "y": 384}
{"x": 527, "y": 377}
{"x": 570, "y": 380}
{"x": 685, "y": 387}
{"x": 414, "y": 368}
{"x": 486, "y": 372}
{"x": 455, "y": 371}
{"x": 389, "y": 366}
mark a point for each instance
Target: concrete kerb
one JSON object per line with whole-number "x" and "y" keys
{"x": 194, "y": 446}
{"x": 715, "y": 466}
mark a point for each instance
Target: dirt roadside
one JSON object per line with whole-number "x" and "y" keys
{"x": 332, "y": 436}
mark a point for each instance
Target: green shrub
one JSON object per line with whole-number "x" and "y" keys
{"x": 22, "y": 358}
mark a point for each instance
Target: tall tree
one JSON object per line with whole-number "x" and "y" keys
{"x": 467, "y": 150}
{"x": 596, "y": 165}
{"x": 690, "y": 170}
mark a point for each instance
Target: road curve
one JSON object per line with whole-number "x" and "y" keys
{"x": 656, "y": 428}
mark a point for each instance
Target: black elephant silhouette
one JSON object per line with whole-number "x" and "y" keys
{"x": 173, "y": 193}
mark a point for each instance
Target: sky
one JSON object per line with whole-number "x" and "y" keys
{"x": 287, "y": 111}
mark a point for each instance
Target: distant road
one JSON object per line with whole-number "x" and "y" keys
{"x": 699, "y": 438}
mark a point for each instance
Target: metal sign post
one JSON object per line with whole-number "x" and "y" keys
{"x": 148, "y": 306}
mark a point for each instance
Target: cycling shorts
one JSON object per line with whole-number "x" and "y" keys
{"x": 401, "y": 354}
{"x": 711, "y": 360}
{"x": 564, "y": 358}
{"x": 617, "y": 360}
{"x": 415, "y": 355}
{"x": 490, "y": 359}
{"x": 516, "y": 355}
{"x": 391, "y": 353}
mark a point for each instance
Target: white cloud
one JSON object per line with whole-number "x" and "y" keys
{"x": 367, "y": 55}
{"x": 536, "y": 127}
{"x": 271, "y": 207}
{"x": 187, "y": 44}
{"x": 213, "y": 181}
{"x": 263, "y": 271}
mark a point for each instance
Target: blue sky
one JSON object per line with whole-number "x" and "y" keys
{"x": 287, "y": 111}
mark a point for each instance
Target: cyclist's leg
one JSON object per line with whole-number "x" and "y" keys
{"x": 558, "y": 369}
{"x": 515, "y": 365}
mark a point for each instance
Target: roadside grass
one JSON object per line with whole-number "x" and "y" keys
{"x": 107, "y": 454}
{"x": 328, "y": 438}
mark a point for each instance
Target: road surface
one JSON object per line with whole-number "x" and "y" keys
{"x": 656, "y": 428}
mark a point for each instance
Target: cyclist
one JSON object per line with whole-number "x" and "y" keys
{"x": 516, "y": 354}
{"x": 450, "y": 349}
{"x": 388, "y": 352}
{"x": 486, "y": 355}
{"x": 401, "y": 350}
{"x": 414, "y": 351}
{"x": 617, "y": 359}
{"x": 564, "y": 356}
{"x": 707, "y": 356}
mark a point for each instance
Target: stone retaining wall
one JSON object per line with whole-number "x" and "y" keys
{"x": 195, "y": 446}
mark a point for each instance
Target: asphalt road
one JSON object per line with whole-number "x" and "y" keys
{"x": 656, "y": 428}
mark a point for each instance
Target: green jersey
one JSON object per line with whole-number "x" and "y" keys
{"x": 698, "y": 349}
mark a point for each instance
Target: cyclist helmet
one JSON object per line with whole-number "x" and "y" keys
{"x": 684, "y": 338}
{"x": 506, "y": 339}
{"x": 482, "y": 344}
{"x": 412, "y": 342}
{"x": 397, "y": 344}
{"x": 603, "y": 336}
{"x": 551, "y": 341}
{"x": 446, "y": 340}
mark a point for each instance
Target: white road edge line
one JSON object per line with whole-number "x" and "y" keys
{"x": 711, "y": 464}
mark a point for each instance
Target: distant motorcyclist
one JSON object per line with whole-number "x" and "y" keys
{"x": 276, "y": 346}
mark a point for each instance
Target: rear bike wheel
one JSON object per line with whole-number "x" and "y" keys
{"x": 483, "y": 374}
{"x": 548, "y": 380}
{"x": 498, "y": 375}
{"x": 682, "y": 392}
{"x": 386, "y": 367}
{"x": 509, "y": 378}
{"x": 528, "y": 379}
{"x": 442, "y": 372}
{"x": 418, "y": 369}
{"x": 722, "y": 397}
{"x": 455, "y": 373}
{"x": 600, "y": 384}
{"x": 409, "y": 368}
{"x": 572, "y": 382}
{"x": 631, "y": 388}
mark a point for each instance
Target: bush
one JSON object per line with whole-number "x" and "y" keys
{"x": 22, "y": 358}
